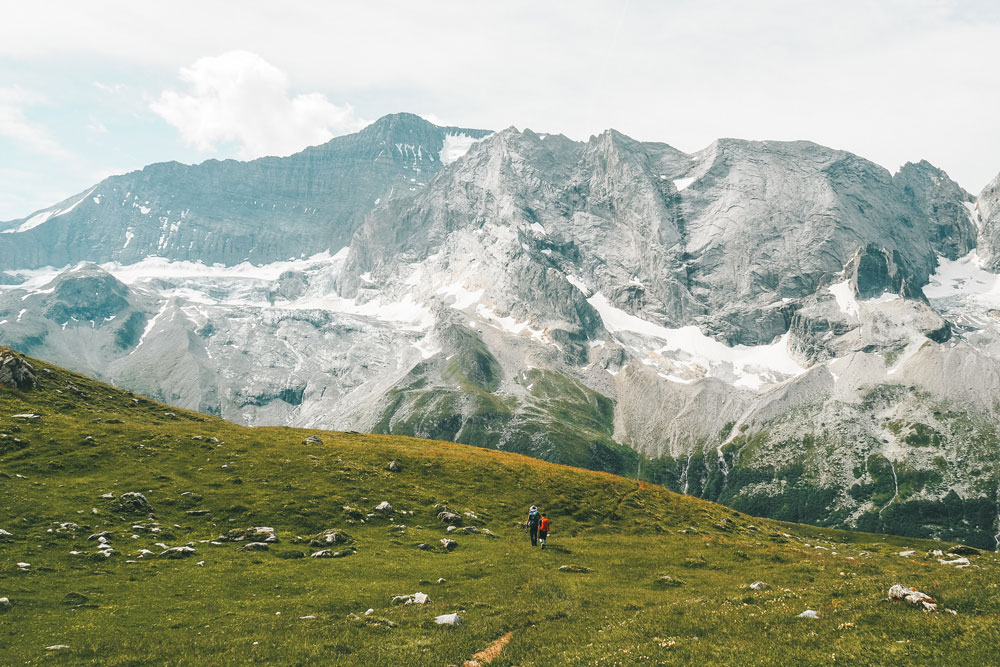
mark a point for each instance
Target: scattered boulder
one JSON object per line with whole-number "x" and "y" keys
{"x": 255, "y": 546}
{"x": 4, "y": 534}
{"x": 4, "y": 604}
{"x": 330, "y": 536}
{"x": 384, "y": 507}
{"x": 423, "y": 546}
{"x": 56, "y": 647}
{"x": 103, "y": 535}
{"x": 907, "y": 553}
{"x": 958, "y": 562}
{"x": 392, "y": 467}
{"x": 323, "y": 553}
{"x": 451, "y": 529}
{"x": 449, "y": 517}
{"x": 178, "y": 552}
{"x": 489, "y": 533}
{"x": 577, "y": 569}
{"x": 470, "y": 530}
{"x": 913, "y": 596}
{"x": 16, "y": 372}
{"x": 198, "y": 512}
{"x": 415, "y": 598}
{"x": 24, "y": 566}
{"x": 313, "y": 440}
{"x": 253, "y": 534}
{"x": 442, "y": 580}
{"x": 133, "y": 501}
{"x": 448, "y": 619}
{"x": 107, "y": 496}
{"x": 27, "y": 416}
{"x": 75, "y": 599}
{"x": 809, "y": 613}
{"x": 449, "y": 545}
{"x": 667, "y": 581}
{"x": 759, "y": 586}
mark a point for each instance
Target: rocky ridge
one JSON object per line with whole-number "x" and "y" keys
{"x": 781, "y": 326}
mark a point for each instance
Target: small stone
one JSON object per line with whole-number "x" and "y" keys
{"x": 448, "y": 619}
{"x": 577, "y": 569}
{"x": 369, "y": 612}
{"x": 392, "y": 467}
{"x": 809, "y": 613}
{"x": 4, "y": 533}
{"x": 907, "y": 553}
{"x": 449, "y": 517}
{"x": 451, "y": 529}
{"x": 423, "y": 546}
{"x": 448, "y": 544}
{"x": 108, "y": 496}
{"x": 4, "y": 604}
{"x": 384, "y": 507}
{"x": 913, "y": 596}
{"x": 133, "y": 501}
{"x": 759, "y": 586}
{"x": 313, "y": 440}
{"x": 489, "y": 533}
{"x": 23, "y": 566}
{"x": 255, "y": 546}
{"x": 56, "y": 647}
{"x": 97, "y": 536}
{"x": 324, "y": 553}
{"x": 177, "y": 552}
{"x": 198, "y": 512}
{"x": 442, "y": 580}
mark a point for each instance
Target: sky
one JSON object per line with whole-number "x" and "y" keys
{"x": 88, "y": 90}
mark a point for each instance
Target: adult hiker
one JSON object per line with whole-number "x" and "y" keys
{"x": 543, "y": 529}
{"x": 534, "y": 517}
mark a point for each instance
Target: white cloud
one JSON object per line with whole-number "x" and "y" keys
{"x": 238, "y": 97}
{"x": 14, "y": 125}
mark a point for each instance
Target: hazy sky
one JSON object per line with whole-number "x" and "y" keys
{"x": 92, "y": 89}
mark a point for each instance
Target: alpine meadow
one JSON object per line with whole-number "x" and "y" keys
{"x": 357, "y": 334}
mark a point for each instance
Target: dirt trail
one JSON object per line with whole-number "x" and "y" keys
{"x": 489, "y": 654}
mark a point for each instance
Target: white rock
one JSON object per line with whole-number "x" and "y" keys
{"x": 909, "y": 552}
{"x": 369, "y": 612}
{"x": 4, "y": 533}
{"x": 448, "y": 619}
{"x": 913, "y": 596}
{"x": 958, "y": 562}
{"x": 384, "y": 507}
{"x": 56, "y": 647}
{"x": 809, "y": 613}
{"x": 24, "y": 566}
{"x": 108, "y": 496}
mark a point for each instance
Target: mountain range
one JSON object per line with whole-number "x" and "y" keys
{"x": 783, "y": 327}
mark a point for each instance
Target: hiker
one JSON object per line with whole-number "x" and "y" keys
{"x": 534, "y": 517}
{"x": 543, "y": 529}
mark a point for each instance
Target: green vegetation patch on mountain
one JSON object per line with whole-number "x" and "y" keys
{"x": 633, "y": 573}
{"x": 558, "y": 420}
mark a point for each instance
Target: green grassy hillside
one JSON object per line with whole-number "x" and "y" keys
{"x": 667, "y": 577}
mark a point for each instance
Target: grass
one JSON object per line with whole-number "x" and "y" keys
{"x": 242, "y": 607}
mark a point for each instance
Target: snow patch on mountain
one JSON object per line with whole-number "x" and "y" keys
{"x": 689, "y": 351}
{"x": 45, "y": 216}
{"x": 455, "y": 146}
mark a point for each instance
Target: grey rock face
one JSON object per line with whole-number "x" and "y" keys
{"x": 988, "y": 209}
{"x": 15, "y": 372}
{"x": 230, "y": 212}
